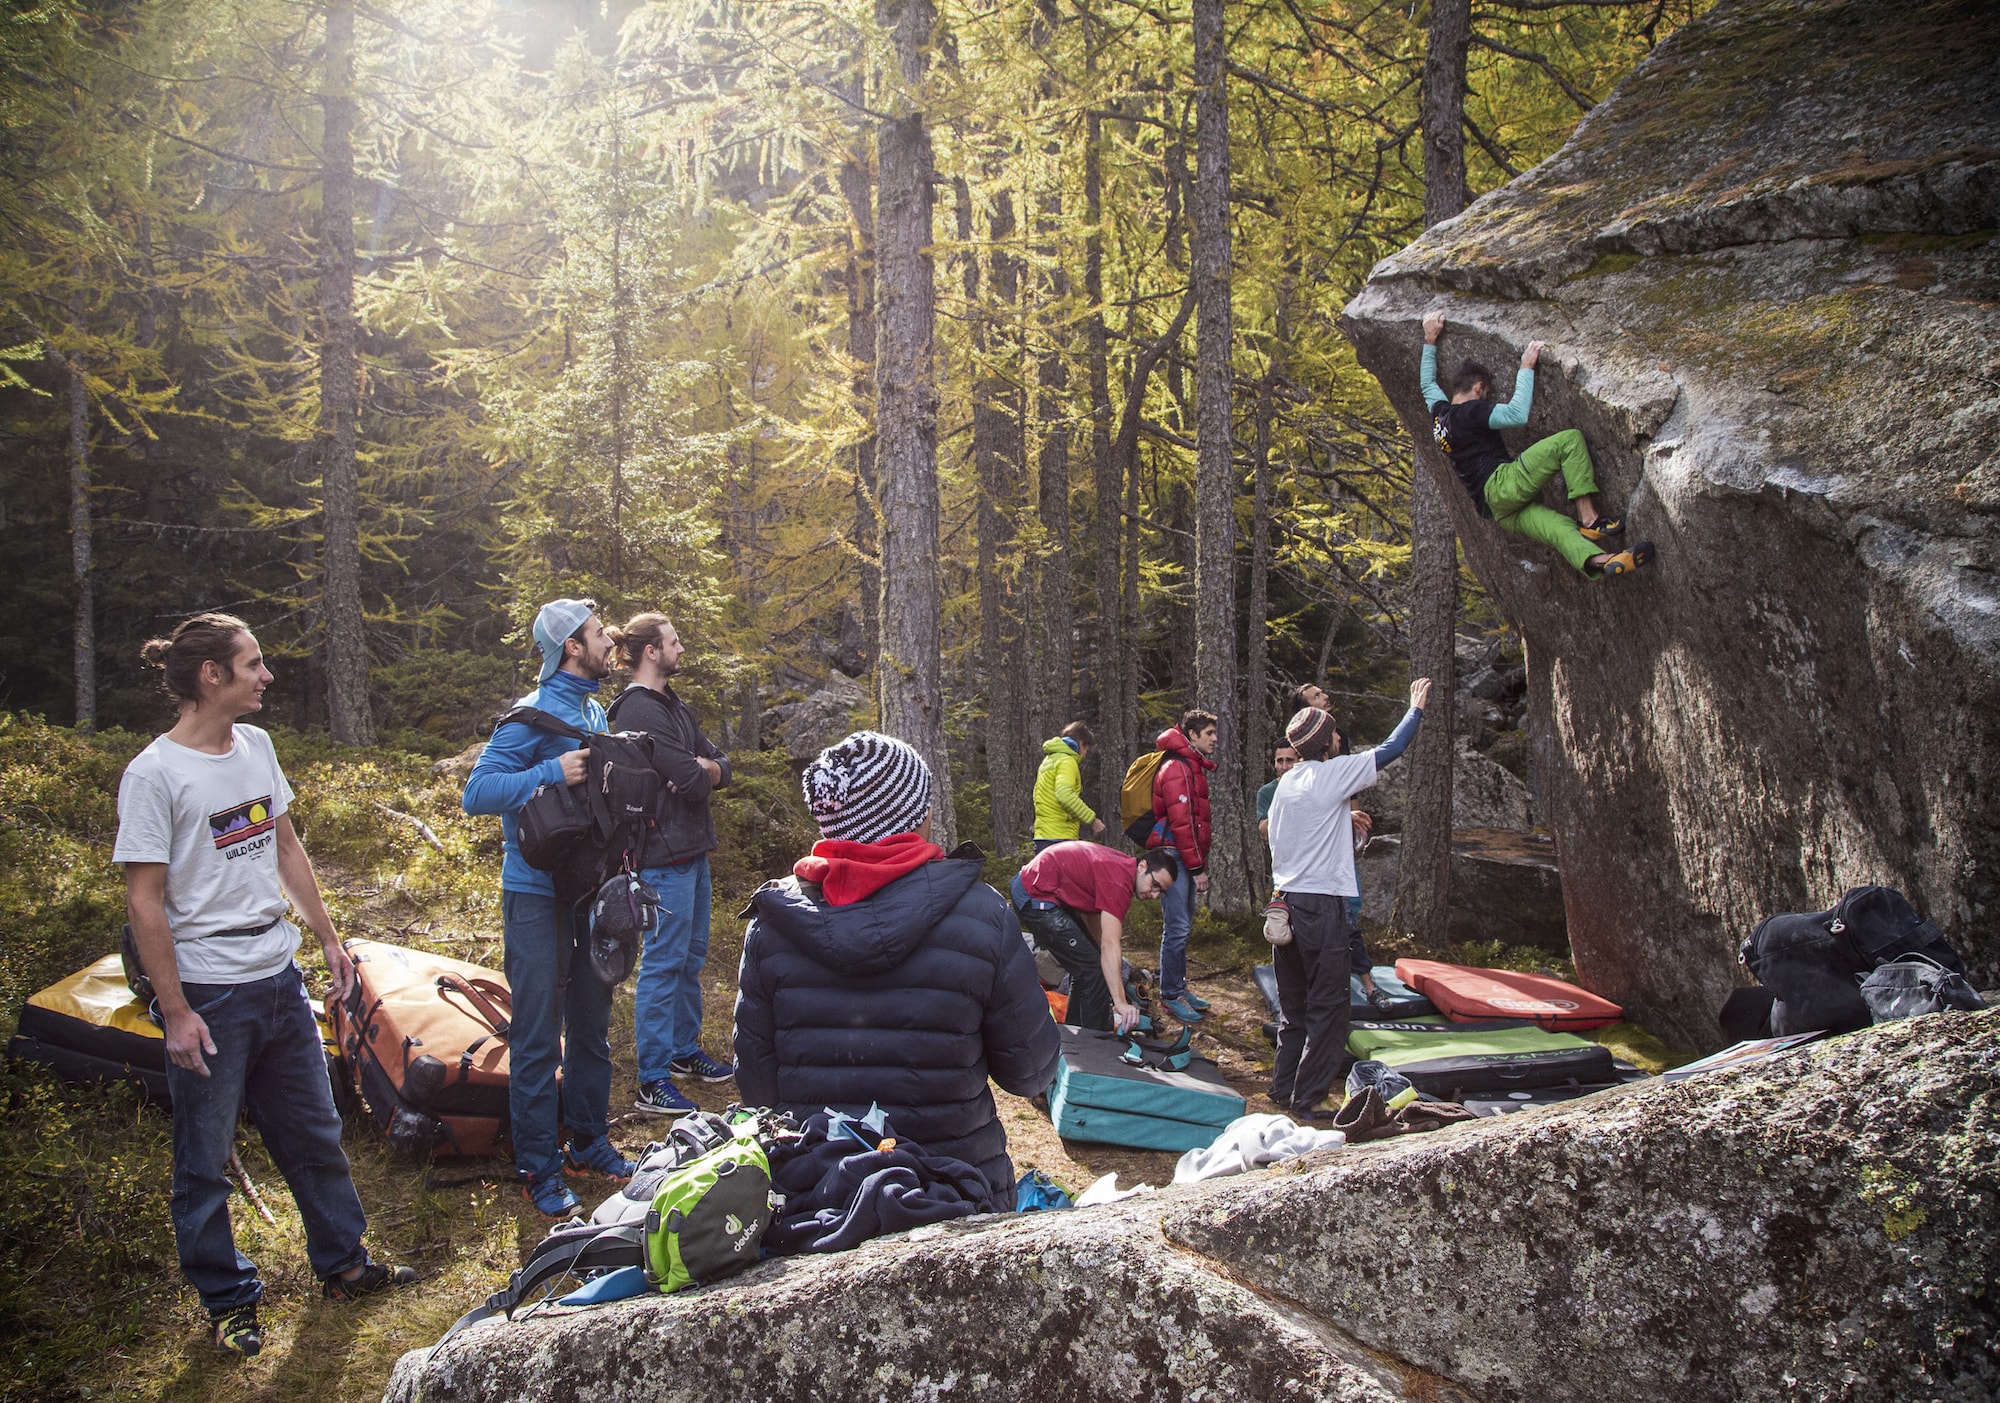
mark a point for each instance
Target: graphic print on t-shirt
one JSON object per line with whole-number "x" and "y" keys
{"x": 243, "y": 830}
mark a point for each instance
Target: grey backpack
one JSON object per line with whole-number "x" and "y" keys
{"x": 1914, "y": 985}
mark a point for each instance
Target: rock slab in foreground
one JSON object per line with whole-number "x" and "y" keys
{"x": 1822, "y": 1226}
{"x": 1768, "y": 274}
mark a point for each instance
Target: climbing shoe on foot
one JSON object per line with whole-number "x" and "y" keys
{"x": 1182, "y": 1009}
{"x": 373, "y": 1277}
{"x": 235, "y": 1331}
{"x": 663, "y": 1098}
{"x": 599, "y": 1159}
{"x": 1630, "y": 559}
{"x": 701, "y": 1066}
{"x": 552, "y": 1198}
{"x": 1605, "y": 528}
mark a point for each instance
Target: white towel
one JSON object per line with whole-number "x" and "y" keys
{"x": 1249, "y": 1142}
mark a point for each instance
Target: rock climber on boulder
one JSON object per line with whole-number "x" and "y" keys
{"x": 1467, "y": 427}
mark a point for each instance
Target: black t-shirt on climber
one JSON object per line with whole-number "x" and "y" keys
{"x": 1474, "y": 447}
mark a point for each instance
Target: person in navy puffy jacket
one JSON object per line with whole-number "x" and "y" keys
{"x": 883, "y": 972}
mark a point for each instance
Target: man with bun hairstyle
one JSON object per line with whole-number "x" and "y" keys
{"x": 562, "y": 1013}
{"x": 1312, "y": 866}
{"x": 884, "y": 972}
{"x": 210, "y": 855}
{"x": 666, "y": 1001}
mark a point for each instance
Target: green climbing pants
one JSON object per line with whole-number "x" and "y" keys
{"x": 1514, "y": 495}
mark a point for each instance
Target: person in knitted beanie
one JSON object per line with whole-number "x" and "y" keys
{"x": 884, "y": 972}
{"x": 867, "y": 787}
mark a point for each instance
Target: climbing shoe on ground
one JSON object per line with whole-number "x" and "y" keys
{"x": 235, "y": 1331}
{"x": 1195, "y": 1001}
{"x": 701, "y": 1066}
{"x": 551, "y": 1197}
{"x": 1605, "y": 528}
{"x": 1183, "y": 1010}
{"x": 1630, "y": 559}
{"x": 663, "y": 1098}
{"x": 599, "y": 1159}
{"x": 374, "y": 1277}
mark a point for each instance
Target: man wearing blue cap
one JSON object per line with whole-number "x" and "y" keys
{"x": 546, "y": 962}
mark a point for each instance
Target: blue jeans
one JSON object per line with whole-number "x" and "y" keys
{"x": 268, "y": 1059}
{"x": 562, "y": 1013}
{"x": 666, "y": 1004}
{"x": 1176, "y": 920}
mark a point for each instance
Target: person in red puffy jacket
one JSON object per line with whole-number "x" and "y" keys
{"x": 1181, "y": 824}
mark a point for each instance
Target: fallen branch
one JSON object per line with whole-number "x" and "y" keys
{"x": 423, "y": 829}
{"x": 242, "y": 1178}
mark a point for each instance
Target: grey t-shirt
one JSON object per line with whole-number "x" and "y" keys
{"x": 1312, "y": 825}
{"x": 212, "y": 819}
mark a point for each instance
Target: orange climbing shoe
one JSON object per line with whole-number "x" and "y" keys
{"x": 1630, "y": 559}
{"x": 1604, "y": 528}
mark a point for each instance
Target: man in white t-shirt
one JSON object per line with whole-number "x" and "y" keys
{"x": 210, "y": 857}
{"x": 1312, "y": 867}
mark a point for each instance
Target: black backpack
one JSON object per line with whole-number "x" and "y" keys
{"x": 582, "y": 834}
{"x": 1814, "y": 962}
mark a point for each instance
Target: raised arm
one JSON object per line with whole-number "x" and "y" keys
{"x": 1514, "y": 413}
{"x": 1427, "y": 370}
{"x": 1406, "y": 729}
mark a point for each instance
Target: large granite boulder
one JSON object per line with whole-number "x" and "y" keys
{"x": 1824, "y": 1225}
{"x": 1505, "y": 886}
{"x": 1767, "y": 271}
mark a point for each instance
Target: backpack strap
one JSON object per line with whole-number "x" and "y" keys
{"x": 540, "y": 720}
{"x": 566, "y": 1252}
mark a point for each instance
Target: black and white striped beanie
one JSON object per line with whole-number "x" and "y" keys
{"x": 866, "y": 787}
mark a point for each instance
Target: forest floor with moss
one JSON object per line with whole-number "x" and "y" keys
{"x": 91, "y": 1300}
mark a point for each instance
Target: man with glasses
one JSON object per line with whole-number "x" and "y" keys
{"x": 1072, "y": 899}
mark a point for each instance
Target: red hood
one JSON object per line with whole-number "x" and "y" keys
{"x": 849, "y": 872}
{"x": 1176, "y": 744}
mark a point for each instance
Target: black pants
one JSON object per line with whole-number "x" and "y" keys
{"x": 1058, "y": 931}
{"x": 1313, "y": 1000}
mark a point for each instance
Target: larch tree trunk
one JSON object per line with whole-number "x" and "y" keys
{"x": 1055, "y": 588}
{"x": 997, "y": 450}
{"x": 911, "y": 664}
{"x": 1215, "y": 473}
{"x": 857, "y": 188}
{"x": 1423, "y": 881}
{"x": 1257, "y": 724}
{"x": 1115, "y": 722}
{"x": 83, "y": 642}
{"x": 348, "y": 720}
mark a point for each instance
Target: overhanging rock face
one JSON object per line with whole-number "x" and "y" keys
{"x": 1822, "y": 1226}
{"x": 1767, "y": 271}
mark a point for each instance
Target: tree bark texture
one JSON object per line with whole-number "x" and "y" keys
{"x": 83, "y": 643}
{"x": 1114, "y": 725}
{"x": 1442, "y": 102}
{"x": 1423, "y": 879}
{"x": 348, "y": 720}
{"x": 1055, "y": 590}
{"x": 1215, "y": 474}
{"x": 911, "y": 665}
{"x": 857, "y": 188}
{"x": 997, "y": 452}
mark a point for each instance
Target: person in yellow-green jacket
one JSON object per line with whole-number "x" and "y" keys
{"x": 1060, "y": 813}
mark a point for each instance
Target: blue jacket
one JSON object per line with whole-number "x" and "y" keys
{"x": 520, "y": 758}
{"x": 909, "y": 999}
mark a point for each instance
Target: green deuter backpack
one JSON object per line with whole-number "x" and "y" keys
{"x": 709, "y": 1216}
{"x": 707, "y": 1220}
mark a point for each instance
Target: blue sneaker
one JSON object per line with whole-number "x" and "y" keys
{"x": 700, "y": 1065}
{"x": 1195, "y": 1001}
{"x": 599, "y": 1159}
{"x": 552, "y": 1198}
{"x": 1182, "y": 1009}
{"x": 663, "y": 1098}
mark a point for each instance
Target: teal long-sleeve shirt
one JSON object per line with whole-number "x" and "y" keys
{"x": 519, "y": 759}
{"x": 1511, "y": 415}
